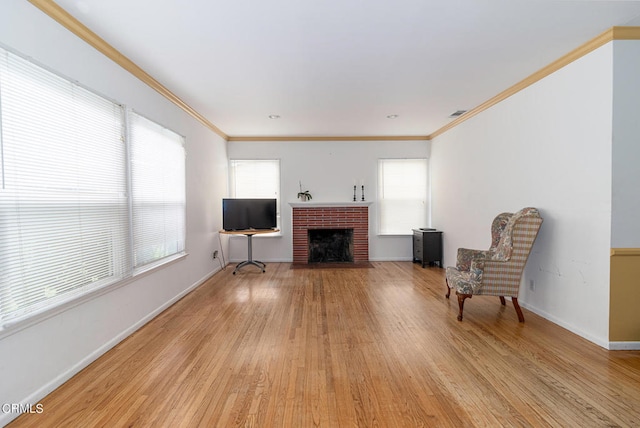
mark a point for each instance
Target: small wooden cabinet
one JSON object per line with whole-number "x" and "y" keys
{"x": 427, "y": 246}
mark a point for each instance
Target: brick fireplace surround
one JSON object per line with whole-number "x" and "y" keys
{"x": 330, "y": 216}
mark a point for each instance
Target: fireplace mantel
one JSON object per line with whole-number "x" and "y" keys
{"x": 330, "y": 215}
{"x": 329, "y": 204}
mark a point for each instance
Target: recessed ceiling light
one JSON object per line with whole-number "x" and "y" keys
{"x": 392, "y": 116}
{"x": 457, "y": 113}
{"x": 274, "y": 116}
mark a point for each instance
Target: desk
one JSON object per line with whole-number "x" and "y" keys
{"x": 249, "y": 234}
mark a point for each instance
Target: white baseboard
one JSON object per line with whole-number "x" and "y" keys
{"x": 611, "y": 346}
{"x": 624, "y": 346}
{"x": 46, "y": 389}
{"x": 598, "y": 341}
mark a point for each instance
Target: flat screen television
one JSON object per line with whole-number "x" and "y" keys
{"x": 243, "y": 214}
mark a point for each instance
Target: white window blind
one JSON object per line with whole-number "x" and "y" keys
{"x": 402, "y": 195}
{"x": 158, "y": 191}
{"x": 255, "y": 178}
{"x": 63, "y": 191}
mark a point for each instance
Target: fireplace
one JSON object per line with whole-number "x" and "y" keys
{"x": 330, "y": 245}
{"x": 334, "y": 216}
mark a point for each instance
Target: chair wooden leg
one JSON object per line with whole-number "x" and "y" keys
{"x": 448, "y": 288}
{"x": 518, "y": 310}
{"x": 502, "y": 300}
{"x": 461, "y": 298}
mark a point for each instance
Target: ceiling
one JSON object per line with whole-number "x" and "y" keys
{"x": 341, "y": 67}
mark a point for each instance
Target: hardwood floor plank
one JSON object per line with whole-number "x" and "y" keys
{"x": 346, "y": 347}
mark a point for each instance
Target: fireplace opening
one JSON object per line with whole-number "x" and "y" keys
{"x": 330, "y": 245}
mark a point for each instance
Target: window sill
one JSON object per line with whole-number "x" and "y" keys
{"x": 12, "y": 326}
{"x": 162, "y": 262}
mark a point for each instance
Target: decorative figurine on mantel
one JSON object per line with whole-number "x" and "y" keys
{"x": 304, "y": 195}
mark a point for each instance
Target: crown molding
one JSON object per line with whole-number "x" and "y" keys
{"x": 331, "y": 138}
{"x": 614, "y": 33}
{"x": 625, "y": 33}
{"x": 72, "y": 24}
{"x": 79, "y": 29}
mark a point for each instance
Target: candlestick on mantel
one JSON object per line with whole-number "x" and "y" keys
{"x": 354, "y": 192}
{"x": 363, "y": 192}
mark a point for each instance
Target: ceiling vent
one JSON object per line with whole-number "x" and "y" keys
{"x": 457, "y": 113}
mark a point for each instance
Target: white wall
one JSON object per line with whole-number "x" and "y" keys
{"x": 548, "y": 146}
{"x": 37, "y": 358}
{"x": 625, "y": 227}
{"x": 327, "y": 169}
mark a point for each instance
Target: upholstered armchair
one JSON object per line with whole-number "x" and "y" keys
{"x": 498, "y": 270}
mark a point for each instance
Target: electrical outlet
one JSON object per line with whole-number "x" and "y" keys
{"x": 215, "y": 254}
{"x": 532, "y": 285}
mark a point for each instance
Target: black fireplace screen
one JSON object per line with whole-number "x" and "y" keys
{"x": 330, "y": 245}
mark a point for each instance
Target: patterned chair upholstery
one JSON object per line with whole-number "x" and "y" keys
{"x": 498, "y": 270}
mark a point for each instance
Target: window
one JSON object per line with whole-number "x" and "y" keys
{"x": 158, "y": 191}
{"x": 255, "y": 179}
{"x": 402, "y": 195}
{"x": 65, "y": 205}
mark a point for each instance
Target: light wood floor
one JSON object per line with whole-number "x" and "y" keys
{"x": 346, "y": 347}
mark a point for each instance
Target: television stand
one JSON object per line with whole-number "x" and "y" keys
{"x": 249, "y": 234}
